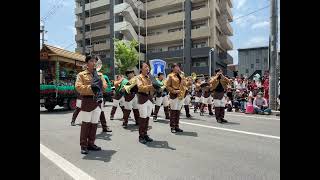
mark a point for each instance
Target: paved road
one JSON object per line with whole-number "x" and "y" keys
{"x": 246, "y": 148}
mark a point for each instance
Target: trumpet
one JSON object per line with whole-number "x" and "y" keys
{"x": 133, "y": 83}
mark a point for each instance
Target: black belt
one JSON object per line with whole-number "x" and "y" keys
{"x": 145, "y": 94}
{"x": 87, "y": 96}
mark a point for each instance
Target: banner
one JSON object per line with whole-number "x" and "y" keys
{"x": 157, "y": 65}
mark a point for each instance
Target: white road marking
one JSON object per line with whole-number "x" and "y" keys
{"x": 65, "y": 165}
{"x": 232, "y": 130}
{"x": 252, "y": 116}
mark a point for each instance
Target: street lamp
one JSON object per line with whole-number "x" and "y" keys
{"x": 211, "y": 50}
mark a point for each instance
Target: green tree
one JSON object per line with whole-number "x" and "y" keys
{"x": 126, "y": 55}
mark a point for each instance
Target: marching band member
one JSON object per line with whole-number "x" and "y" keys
{"x": 187, "y": 98}
{"x": 103, "y": 120}
{"x": 161, "y": 98}
{"x": 176, "y": 88}
{"x": 91, "y": 86}
{"x": 130, "y": 99}
{"x": 145, "y": 94}
{"x": 118, "y": 96}
{"x": 219, "y": 83}
{"x": 198, "y": 93}
{"x": 77, "y": 110}
{"x": 206, "y": 99}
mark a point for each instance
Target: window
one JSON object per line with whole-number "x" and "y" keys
{"x": 252, "y": 66}
{"x": 175, "y": 29}
{"x": 266, "y": 60}
{"x": 200, "y": 62}
{"x": 198, "y": 7}
{"x": 197, "y": 26}
{"x": 174, "y": 48}
{"x": 199, "y": 45}
{"x": 247, "y": 70}
{"x": 257, "y": 60}
{"x": 246, "y": 53}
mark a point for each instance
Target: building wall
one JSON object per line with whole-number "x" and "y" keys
{"x": 251, "y": 60}
{"x": 190, "y": 51}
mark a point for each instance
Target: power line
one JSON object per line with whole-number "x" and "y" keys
{"x": 52, "y": 11}
{"x": 251, "y": 13}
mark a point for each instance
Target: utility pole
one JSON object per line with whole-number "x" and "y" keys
{"x": 113, "y": 35}
{"x": 139, "y": 33}
{"x": 42, "y": 31}
{"x": 273, "y": 80}
{"x": 83, "y": 27}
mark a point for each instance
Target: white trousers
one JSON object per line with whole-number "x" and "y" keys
{"x": 145, "y": 109}
{"x": 207, "y": 100}
{"x": 116, "y": 102}
{"x": 162, "y": 100}
{"x": 92, "y": 116}
{"x": 187, "y": 100}
{"x": 133, "y": 104}
{"x": 176, "y": 104}
{"x": 219, "y": 103}
{"x": 197, "y": 99}
{"x": 78, "y": 103}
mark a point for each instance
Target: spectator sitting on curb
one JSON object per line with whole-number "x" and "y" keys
{"x": 236, "y": 100}
{"x": 260, "y": 105}
{"x": 228, "y": 104}
{"x": 249, "y": 107}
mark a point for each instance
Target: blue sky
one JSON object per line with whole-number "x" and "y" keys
{"x": 249, "y": 31}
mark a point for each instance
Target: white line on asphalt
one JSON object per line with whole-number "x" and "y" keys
{"x": 252, "y": 116}
{"x": 232, "y": 130}
{"x": 65, "y": 165}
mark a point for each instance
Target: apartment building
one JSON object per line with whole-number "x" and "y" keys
{"x": 173, "y": 30}
{"x": 253, "y": 60}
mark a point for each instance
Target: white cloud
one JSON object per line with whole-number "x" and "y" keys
{"x": 240, "y": 3}
{"x": 262, "y": 24}
{"x": 73, "y": 29}
{"x": 245, "y": 21}
{"x": 58, "y": 46}
{"x": 256, "y": 41}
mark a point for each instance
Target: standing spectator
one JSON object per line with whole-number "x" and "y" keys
{"x": 266, "y": 88}
{"x": 260, "y": 105}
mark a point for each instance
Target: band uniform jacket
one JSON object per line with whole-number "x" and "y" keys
{"x": 173, "y": 84}
{"x": 207, "y": 91}
{"x": 214, "y": 83}
{"x": 145, "y": 91}
{"x": 188, "y": 86}
{"x": 83, "y": 87}
{"x": 117, "y": 96}
{"x": 131, "y": 95}
{"x": 198, "y": 90}
{"x": 163, "y": 84}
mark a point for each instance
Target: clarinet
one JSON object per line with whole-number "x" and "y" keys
{"x": 96, "y": 86}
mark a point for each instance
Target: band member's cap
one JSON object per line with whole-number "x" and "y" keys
{"x": 89, "y": 57}
{"x": 175, "y": 64}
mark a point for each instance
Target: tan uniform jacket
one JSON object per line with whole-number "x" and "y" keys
{"x": 83, "y": 83}
{"x": 145, "y": 91}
